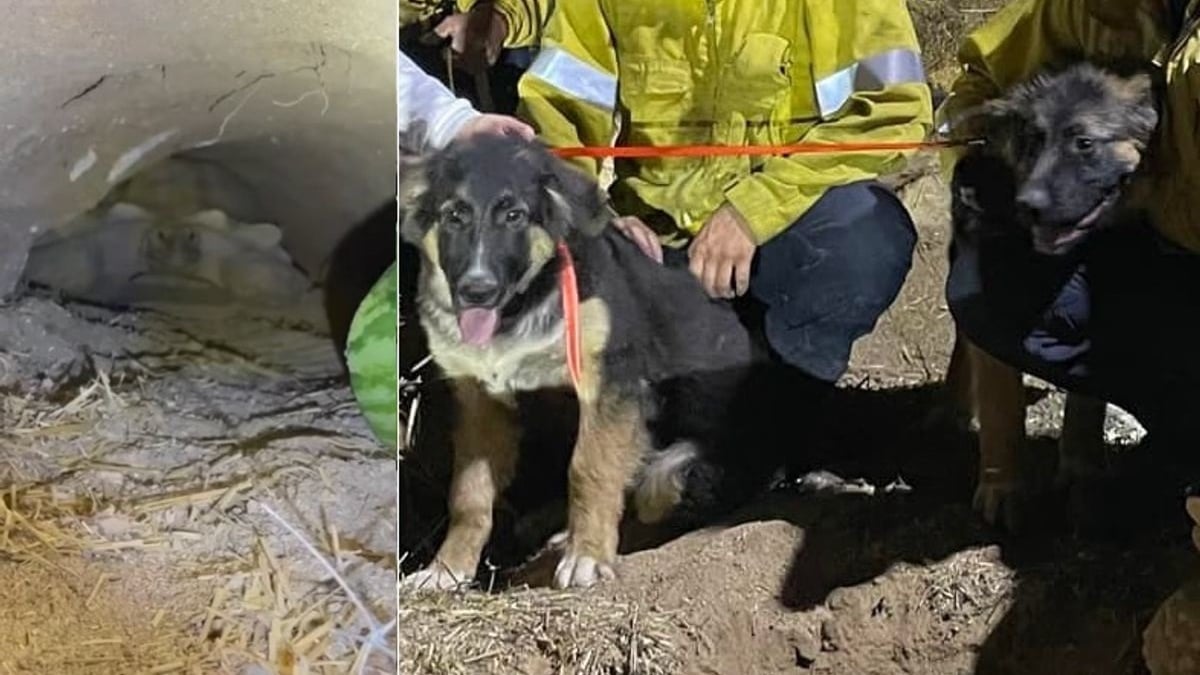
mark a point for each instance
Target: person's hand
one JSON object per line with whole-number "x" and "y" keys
{"x": 639, "y": 233}
{"x": 721, "y": 254}
{"x": 478, "y": 33}
{"x": 500, "y": 125}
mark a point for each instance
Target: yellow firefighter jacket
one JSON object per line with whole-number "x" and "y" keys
{"x": 1029, "y": 34}
{"x": 729, "y": 72}
{"x": 526, "y": 18}
{"x": 414, "y": 11}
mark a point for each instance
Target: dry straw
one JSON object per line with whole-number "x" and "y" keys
{"x": 257, "y": 614}
{"x": 376, "y": 639}
{"x": 536, "y": 630}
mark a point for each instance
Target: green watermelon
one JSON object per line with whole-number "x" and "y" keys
{"x": 371, "y": 357}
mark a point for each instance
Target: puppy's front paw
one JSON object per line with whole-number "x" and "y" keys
{"x": 436, "y": 577}
{"x": 578, "y": 569}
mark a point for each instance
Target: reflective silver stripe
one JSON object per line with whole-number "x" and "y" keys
{"x": 895, "y": 66}
{"x": 569, "y": 74}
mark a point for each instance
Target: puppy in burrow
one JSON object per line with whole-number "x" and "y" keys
{"x": 1056, "y": 167}
{"x": 663, "y": 410}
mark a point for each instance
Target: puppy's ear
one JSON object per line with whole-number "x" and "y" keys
{"x": 1137, "y": 89}
{"x": 988, "y": 120}
{"x": 413, "y": 185}
{"x": 1000, "y": 115}
{"x": 572, "y": 200}
{"x": 1138, "y": 93}
{"x": 1001, "y": 122}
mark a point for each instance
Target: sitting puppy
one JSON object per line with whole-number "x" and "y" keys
{"x": 1060, "y": 151}
{"x": 661, "y": 363}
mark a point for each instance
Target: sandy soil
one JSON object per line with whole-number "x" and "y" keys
{"x": 141, "y": 457}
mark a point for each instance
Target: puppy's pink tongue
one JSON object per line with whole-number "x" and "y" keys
{"x": 478, "y": 325}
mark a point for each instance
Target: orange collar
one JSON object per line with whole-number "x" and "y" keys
{"x": 569, "y": 290}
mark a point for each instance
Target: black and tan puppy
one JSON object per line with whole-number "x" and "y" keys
{"x": 487, "y": 216}
{"x": 1061, "y": 150}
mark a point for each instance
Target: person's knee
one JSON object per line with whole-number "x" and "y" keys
{"x": 983, "y": 324}
{"x": 876, "y": 253}
{"x": 878, "y": 236}
{"x": 863, "y": 239}
{"x": 827, "y": 280}
{"x": 1052, "y": 344}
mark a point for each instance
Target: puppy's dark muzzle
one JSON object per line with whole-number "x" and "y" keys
{"x": 478, "y": 291}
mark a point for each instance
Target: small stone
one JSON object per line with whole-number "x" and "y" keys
{"x": 807, "y": 647}
{"x": 840, "y": 598}
{"x": 830, "y": 636}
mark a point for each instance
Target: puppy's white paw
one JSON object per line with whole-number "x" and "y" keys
{"x": 436, "y": 577}
{"x": 581, "y": 571}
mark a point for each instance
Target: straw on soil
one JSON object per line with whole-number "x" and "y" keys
{"x": 65, "y": 607}
{"x": 258, "y": 612}
{"x": 971, "y": 583}
{"x": 262, "y": 605}
{"x": 560, "y": 631}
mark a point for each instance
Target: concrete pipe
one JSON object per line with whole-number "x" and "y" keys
{"x": 270, "y": 111}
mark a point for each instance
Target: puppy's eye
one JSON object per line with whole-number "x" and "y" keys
{"x": 514, "y": 217}
{"x": 1084, "y": 143}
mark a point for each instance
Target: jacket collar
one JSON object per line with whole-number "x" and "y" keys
{"x": 1182, "y": 19}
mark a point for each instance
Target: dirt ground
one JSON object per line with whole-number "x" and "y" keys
{"x": 152, "y": 467}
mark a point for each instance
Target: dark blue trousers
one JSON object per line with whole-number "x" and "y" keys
{"x": 823, "y": 283}
{"x": 1118, "y": 320}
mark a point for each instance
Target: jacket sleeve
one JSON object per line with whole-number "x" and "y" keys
{"x": 569, "y": 93}
{"x": 526, "y": 19}
{"x": 428, "y": 114}
{"x": 870, "y": 86}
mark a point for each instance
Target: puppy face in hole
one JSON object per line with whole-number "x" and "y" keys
{"x": 171, "y": 249}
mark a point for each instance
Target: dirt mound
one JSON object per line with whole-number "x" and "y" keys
{"x": 726, "y": 583}
{"x": 732, "y": 586}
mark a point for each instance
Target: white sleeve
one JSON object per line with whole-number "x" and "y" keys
{"x": 425, "y": 104}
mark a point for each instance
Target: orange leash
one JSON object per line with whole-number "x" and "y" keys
{"x": 569, "y": 289}
{"x": 754, "y": 150}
